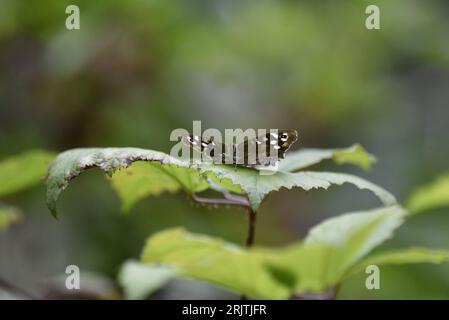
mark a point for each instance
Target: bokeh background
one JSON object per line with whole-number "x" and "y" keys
{"x": 138, "y": 69}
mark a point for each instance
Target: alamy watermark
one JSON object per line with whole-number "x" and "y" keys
{"x": 372, "y": 282}
{"x": 72, "y": 281}
{"x": 73, "y": 21}
{"x": 372, "y": 22}
{"x": 249, "y": 147}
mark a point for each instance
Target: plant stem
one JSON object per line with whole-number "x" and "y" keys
{"x": 251, "y": 228}
{"x": 330, "y": 294}
{"x": 231, "y": 199}
{"x": 235, "y": 200}
{"x": 250, "y": 235}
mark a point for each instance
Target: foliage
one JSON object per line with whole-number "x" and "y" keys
{"x": 18, "y": 173}
{"x": 23, "y": 171}
{"x": 431, "y": 196}
{"x": 139, "y": 280}
{"x": 332, "y": 251}
{"x": 160, "y": 173}
{"x": 304, "y": 158}
{"x": 403, "y": 256}
{"x": 9, "y": 216}
{"x": 135, "y": 70}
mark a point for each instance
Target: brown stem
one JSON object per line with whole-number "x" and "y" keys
{"x": 241, "y": 200}
{"x": 251, "y": 228}
{"x": 230, "y": 200}
{"x": 233, "y": 200}
{"x": 330, "y": 294}
{"x": 250, "y": 235}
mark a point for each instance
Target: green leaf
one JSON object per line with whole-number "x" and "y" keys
{"x": 143, "y": 179}
{"x": 70, "y": 164}
{"x": 402, "y": 256}
{"x": 140, "y": 280}
{"x": 355, "y": 155}
{"x": 213, "y": 260}
{"x": 335, "y": 245}
{"x": 164, "y": 173}
{"x": 431, "y": 196}
{"x": 223, "y": 184}
{"x": 258, "y": 186}
{"x": 352, "y": 236}
{"x": 8, "y": 217}
{"x": 303, "y": 267}
{"x": 23, "y": 171}
{"x": 304, "y": 158}
{"x": 318, "y": 263}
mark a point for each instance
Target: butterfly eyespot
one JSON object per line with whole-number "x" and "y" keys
{"x": 284, "y": 136}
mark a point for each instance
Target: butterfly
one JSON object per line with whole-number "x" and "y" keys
{"x": 264, "y": 150}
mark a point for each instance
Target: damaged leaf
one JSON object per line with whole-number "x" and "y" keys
{"x": 70, "y": 164}
{"x": 157, "y": 172}
{"x": 257, "y": 186}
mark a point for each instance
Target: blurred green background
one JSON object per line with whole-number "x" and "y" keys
{"x": 138, "y": 69}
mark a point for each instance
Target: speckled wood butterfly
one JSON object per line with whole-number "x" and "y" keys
{"x": 264, "y": 150}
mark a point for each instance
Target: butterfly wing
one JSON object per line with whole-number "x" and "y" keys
{"x": 286, "y": 138}
{"x": 209, "y": 149}
{"x": 263, "y": 150}
{"x": 266, "y": 149}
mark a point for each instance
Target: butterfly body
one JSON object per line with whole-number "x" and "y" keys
{"x": 263, "y": 150}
